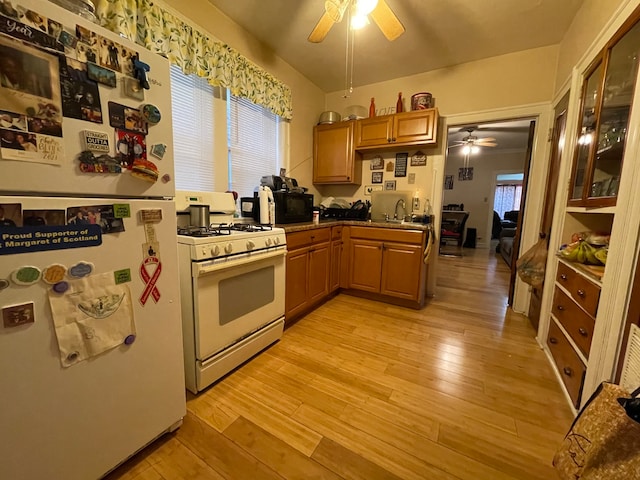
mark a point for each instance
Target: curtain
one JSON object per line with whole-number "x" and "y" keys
{"x": 507, "y": 198}
{"x": 150, "y": 25}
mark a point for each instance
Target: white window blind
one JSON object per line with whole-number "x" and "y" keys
{"x": 507, "y": 198}
{"x": 254, "y": 144}
{"x": 192, "y": 106}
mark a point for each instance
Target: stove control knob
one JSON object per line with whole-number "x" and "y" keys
{"x": 250, "y": 245}
{"x": 267, "y": 242}
{"x": 215, "y": 250}
{"x": 204, "y": 250}
{"x": 228, "y": 248}
{"x": 276, "y": 241}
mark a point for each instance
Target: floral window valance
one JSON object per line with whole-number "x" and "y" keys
{"x": 157, "y": 29}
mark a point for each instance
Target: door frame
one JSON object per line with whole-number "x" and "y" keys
{"x": 542, "y": 113}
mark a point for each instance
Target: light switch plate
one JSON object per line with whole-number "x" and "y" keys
{"x": 412, "y": 178}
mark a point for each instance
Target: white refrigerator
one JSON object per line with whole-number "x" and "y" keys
{"x": 91, "y": 366}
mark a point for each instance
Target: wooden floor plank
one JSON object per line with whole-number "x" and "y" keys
{"x": 358, "y": 389}
{"x": 275, "y": 453}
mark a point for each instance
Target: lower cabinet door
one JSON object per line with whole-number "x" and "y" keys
{"x": 336, "y": 263}
{"x": 296, "y": 281}
{"x": 319, "y": 271}
{"x": 401, "y": 266}
{"x": 365, "y": 265}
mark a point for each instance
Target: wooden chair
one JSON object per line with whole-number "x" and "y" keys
{"x": 452, "y": 230}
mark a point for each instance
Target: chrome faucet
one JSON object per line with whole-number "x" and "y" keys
{"x": 402, "y": 204}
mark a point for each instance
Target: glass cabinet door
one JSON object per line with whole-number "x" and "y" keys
{"x": 606, "y": 107}
{"x": 588, "y": 126}
{"x": 622, "y": 69}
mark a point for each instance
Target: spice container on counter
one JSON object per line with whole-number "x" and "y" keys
{"x": 316, "y": 216}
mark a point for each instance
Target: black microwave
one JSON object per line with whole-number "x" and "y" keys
{"x": 291, "y": 207}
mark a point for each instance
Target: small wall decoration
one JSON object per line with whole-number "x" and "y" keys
{"x": 401, "y": 164}
{"x": 377, "y": 163}
{"x": 376, "y": 177}
{"x": 372, "y": 188}
{"x": 418, "y": 159}
{"x": 448, "y": 182}
{"x": 390, "y": 185}
{"x": 412, "y": 178}
{"x": 465, "y": 173}
{"x": 389, "y": 167}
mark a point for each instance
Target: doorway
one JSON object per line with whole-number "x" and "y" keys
{"x": 476, "y": 153}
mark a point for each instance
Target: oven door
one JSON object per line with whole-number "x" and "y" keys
{"x": 234, "y": 296}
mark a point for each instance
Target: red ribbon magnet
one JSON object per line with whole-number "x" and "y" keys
{"x": 150, "y": 280}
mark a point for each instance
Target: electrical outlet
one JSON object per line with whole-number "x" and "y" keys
{"x": 416, "y": 204}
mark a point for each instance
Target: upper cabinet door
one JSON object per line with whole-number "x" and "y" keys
{"x": 418, "y": 127}
{"x": 606, "y": 106}
{"x": 374, "y": 131}
{"x": 415, "y": 127}
{"x": 334, "y": 158}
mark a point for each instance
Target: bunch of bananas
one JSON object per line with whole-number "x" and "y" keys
{"x": 584, "y": 252}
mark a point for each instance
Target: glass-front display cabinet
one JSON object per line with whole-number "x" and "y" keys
{"x": 607, "y": 94}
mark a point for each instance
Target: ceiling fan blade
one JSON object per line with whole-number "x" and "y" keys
{"x": 486, "y": 139}
{"x": 321, "y": 29}
{"x": 486, "y": 144}
{"x": 387, "y": 21}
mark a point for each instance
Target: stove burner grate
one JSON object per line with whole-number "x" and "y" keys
{"x": 212, "y": 230}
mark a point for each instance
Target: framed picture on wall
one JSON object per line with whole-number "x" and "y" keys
{"x": 448, "y": 182}
{"x": 390, "y": 185}
{"x": 376, "y": 177}
{"x": 418, "y": 159}
{"x": 401, "y": 164}
{"x": 465, "y": 173}
{"x": 377, "y": 163}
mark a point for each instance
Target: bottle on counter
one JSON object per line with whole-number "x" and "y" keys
{"x": 399, "y": 103}
{"x": 372, "y": 108}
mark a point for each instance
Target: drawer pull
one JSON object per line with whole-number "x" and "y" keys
{"x": 563, "y": 276}
{"x": 581, "y": 293}
{"x": 553, "y": 340}
{"x": 567, "y": 371}
{"x": 583, "y": 332}
{"x": 560, "y": 307}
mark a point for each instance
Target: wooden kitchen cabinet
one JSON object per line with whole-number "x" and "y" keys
{"x": 308, "y": 270}
{"x": 387, "y": 262}
{"x": 336, "y": 258}
{"x": 419, "y": 127}
{"x": 335, "y": 161}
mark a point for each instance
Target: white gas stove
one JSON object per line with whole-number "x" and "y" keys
{"x": 222, "y": 240}
{"x": 232, "y": 278}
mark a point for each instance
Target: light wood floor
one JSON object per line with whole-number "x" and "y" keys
{"x": 363, "y": 390}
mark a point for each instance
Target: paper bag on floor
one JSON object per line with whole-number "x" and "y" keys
{"x": 92, "y": 316}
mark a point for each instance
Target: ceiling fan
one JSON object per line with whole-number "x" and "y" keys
{"x": 380, "y": 12}
{"x": 470, "y": 143}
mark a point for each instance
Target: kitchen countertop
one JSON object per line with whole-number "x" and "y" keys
{"x": 299, "y": 227}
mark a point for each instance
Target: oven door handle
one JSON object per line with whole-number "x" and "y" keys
{"x": 204, "y": 268}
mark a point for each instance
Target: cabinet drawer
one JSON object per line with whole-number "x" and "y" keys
{"x": 387, "y": 234}
{"x": 336, "y": 233}
{"x": 569, "y": 365}
{"x": 585, "y": 293}
{"x": 307, "y": 237}
{"x": 575, "y": 321}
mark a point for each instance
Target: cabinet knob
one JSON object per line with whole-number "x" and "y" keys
{"x": 553, "y": 340}
{"x": 583, "y": 332}
{"x": 388, "y": 140}
{"x": 581, "y": 293}
{"x": 393, "y": 139}
{"x": 563, "y": 276}
{"x": 567, "y": 371}
{"x": 560, "y": 307}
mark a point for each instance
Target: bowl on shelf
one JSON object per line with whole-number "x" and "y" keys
{"x": 328, "y": 118}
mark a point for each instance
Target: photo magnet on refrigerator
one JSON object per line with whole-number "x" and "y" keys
{"x": 16, "y": 315}
{"x": 96, "y": 141}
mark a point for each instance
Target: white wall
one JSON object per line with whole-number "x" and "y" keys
{"x": 477, "y": 194}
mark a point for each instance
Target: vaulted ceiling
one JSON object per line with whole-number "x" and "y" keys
{"x": 438, "y": 34}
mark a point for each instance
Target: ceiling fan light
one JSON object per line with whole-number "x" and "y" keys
{"x": 475, "y": 149}
{"x": 359, "y": 21}
{"x": 466, "y": 150}
{"x": 365, "y": 7}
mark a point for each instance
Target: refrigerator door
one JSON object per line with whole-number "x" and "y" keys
{"x": 79, "y": 422}
{"x": 19, "y": 176}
